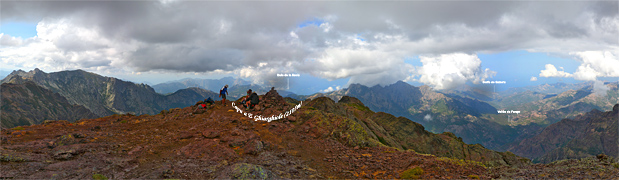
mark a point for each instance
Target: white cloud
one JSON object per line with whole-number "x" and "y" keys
{"x": 196, "y": 36}
{"x": 533, "y": 78}
{"x": 448, "y": 71}
{"x": 327, "y": 90}
{"x": 551, "y": 71}
{"x": 596, "y": 64}
{"x": 599, "y": 89}
{"x": 427, "y": 117}
{"x": 330, "y": 89}
{"x": 294, "y": 35}
{"x": 7, "y": 40}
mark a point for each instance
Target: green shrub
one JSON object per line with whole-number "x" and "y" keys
{"x": 412, "y": 173}
{"x": 18, "y": 128}
{"x": 474, "y": 176}
{"x": 123, "y": 121}
{"x": 99, "y": 177}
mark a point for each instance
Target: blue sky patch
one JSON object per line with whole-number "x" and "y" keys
{"x": 316, "y": 22}
{"x": 19, "y": 29}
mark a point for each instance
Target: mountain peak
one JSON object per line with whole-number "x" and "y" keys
{"x": 37, "y": 70}
{"x": 352, "y": 100}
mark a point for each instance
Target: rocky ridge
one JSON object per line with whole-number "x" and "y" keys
{"x": 323, "y": 139}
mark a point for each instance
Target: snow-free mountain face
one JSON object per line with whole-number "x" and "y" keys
{"x": 105, "y": 96}
{"x": 436, "y": 111}
{"x": 29, "y": 104}
{"x": 586, "y": 135}
{"x": 550, "y": 108}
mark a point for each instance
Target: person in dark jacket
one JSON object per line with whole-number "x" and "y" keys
{"x": 251, "y": 100}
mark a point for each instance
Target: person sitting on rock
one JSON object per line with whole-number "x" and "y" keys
{"x": 246, "y": 101}
{"x": 251, "y": 101}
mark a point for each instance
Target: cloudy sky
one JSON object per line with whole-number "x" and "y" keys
{"x": 442, "y": 44}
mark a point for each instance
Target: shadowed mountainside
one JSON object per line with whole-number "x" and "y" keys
{"x": 584, "y": 136}
{"x": 106, "y": 95}
{"x": 29, "y": 104}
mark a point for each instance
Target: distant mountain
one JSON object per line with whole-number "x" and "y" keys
{"x": 106, "y": 95}
{"x": 29, "y": 104}
{"x": 481, "y": 92}
{"x": 549, "y": 109}
{"x": 238, "y": 91}
{"x": 555, "y": 88}
{"x": 403, "y": 99}
{"x": 512, "y": 101}
{"x": 209, "y": 84}
{"x": 437, "y": 111}
{"x": 586, "y": 135}
{"x": 236, "y": 87}
{"x": 515, "y": 96}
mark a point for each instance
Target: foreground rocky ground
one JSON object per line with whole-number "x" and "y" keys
{"x": 221, "y": 143}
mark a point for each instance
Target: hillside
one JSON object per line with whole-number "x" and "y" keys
{"x": 584, "y": 136}
{"x": 437, "y": 112}
{"x": 29, "y": 104}
{"x": 105, "y": 96}
{"x": 322, "y": 139}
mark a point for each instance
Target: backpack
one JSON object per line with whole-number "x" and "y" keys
{"x": 209, "y": 100}
{"x": 254, "y": 98}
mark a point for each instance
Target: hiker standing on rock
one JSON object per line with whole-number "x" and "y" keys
{"x": 222, "y": 93}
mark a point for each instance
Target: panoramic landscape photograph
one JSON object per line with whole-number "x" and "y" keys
{"x": 175, "y": 89}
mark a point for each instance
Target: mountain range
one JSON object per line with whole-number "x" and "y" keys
{"x": 322, "y": 139}
{"x": 477, "y": 121}
{"x": 437, "y": 112}
{"x": 547, "y": 109}
{"x": 28, "y": 104}
{"x": 208, "y": 84}
{"x": 102, "y": 96}
{"x": 30, "y": 98}
{"x": 237, "y": 87}
{"x": 586, "y": 135}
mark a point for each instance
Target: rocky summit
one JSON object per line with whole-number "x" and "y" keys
{"x": 322, "y": 139}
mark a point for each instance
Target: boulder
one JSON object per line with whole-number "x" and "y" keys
{"x": 210, "y": 133}
{"x": 247, "y": 171}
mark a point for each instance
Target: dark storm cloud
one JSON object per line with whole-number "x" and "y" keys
{"x": 204, "y": 36}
